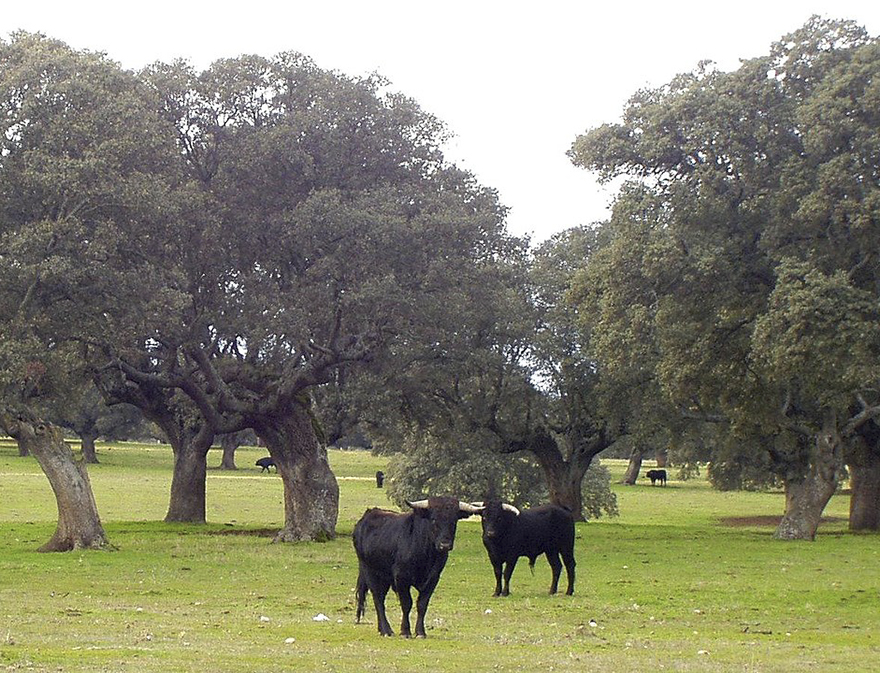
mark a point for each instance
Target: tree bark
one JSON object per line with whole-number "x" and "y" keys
{"x": 311, "y": 493}
{"x": 635, "y": 465}
{"x": 229, "y": 443}
{"x": 190, "y": 441}
{"x": 864, "y": 470}
{"x": 22, "y": 449}
{"x": 807, "y": 496}
{"x": 864, "y": 505}
{"x": 662, "y": 457}
{"x": 565, "y": 476}
{"x": 90, "y": 455}
{"x": 79, "y": 525}
{"x": 188, "y": 501}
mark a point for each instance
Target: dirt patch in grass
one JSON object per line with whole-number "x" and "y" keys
{"x": 766, "y": 520}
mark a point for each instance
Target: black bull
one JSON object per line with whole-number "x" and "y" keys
{"x": 401, "y": 551}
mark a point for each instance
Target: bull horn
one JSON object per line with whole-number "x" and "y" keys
{"x": 510, "y": 508}
{"x": 418, "y": 504}
{"x": 470, "y": 508}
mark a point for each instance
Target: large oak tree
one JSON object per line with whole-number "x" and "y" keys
{"x": 740, "y": 282}
{"x": 78, "y": 154}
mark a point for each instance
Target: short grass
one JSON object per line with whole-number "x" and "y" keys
{"x": 667, "y": 585}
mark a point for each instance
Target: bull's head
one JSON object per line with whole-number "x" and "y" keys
{"x": 497, "y": 516}
{"x": 443, "y": 514}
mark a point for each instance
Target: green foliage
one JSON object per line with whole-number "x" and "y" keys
{"x": 737, "y": 281}
{"x": 463, "y": 466}
{"x": 819, "y": 331}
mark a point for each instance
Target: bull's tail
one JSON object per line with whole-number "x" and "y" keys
{"x": 361, "y": 593}
{"x": 532, "y": 564}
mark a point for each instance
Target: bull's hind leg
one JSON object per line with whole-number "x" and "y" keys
{"x": 568, "y": 559}
{"x": 556, "y": 565}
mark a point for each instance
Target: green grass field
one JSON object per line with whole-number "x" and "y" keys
{"x": 686, "y": 579}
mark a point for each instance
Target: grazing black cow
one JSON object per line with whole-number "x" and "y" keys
{"x": 655, "y": 476}
{"x": 266, "y": 463}
{"x": 380, "y": 478}
{"x": 509, "y": 534}
{"x": 400, "y": 551}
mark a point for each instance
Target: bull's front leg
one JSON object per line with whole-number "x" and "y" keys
{"x": 421, "y": 611}
{"x": 508, "y": 571}
{"x": 425, "y": 593}
{"x": 381, "y": 618}
{"x": 405, "y": 607}
{"x": 497, "y": 568}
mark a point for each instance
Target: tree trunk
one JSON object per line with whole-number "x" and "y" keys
{"x": 806, "y": 497}
{"x": 864, "y": 504}
{"x": 635, "y": 465}
{"x": 311, "y": 493}
{"x": 79, "y": 526}
{"x": 90, "y": 455}
{"x": 229, "y": 443}
{"x": 662, "y": 457}
{"x": 22, "y": 448}
{"x": 564, "y": 477}
{"x": 188, "y": 502}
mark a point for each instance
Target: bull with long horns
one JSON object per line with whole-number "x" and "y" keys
{"x": 402, "y": 551}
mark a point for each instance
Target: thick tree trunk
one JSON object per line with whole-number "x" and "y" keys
{"x": 564, "y": 477}
{"x": 311, "y": 493}
{"x": 566, "y": 491}
{"x": 22, "y": 449}
{"x": 188, "y": 502}
{"x": 635, "y": 465}
{"x": 229, "y": 443}
{"x": 79, "y": 526}
{"x": 864, "y": 504}
{"x": 806, "y": 498}
{"x": 90, "y": 455}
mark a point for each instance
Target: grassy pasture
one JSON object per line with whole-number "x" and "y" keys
{"x": 671, "y": 584}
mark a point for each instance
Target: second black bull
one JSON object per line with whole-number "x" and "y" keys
{"x": 509, "y": 534}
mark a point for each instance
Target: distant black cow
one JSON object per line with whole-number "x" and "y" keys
{"x": 380, "y": 478}
{"x": 266, "y": 463}
{"x": 400, "y": 551}
{"x": 509, "y": 534}
{"x": 655, "y": 476}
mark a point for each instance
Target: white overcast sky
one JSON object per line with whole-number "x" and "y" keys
{"x": 516, "y": 82}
